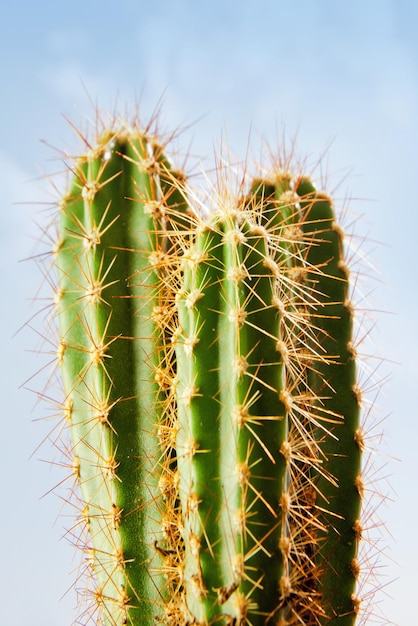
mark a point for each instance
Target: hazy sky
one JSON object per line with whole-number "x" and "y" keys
{"x": 342, "y": 76}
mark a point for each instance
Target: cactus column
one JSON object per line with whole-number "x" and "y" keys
{"x": 112, "y": 307}
{"x": 231, "y": 423}
{"x": 334, "y": 383}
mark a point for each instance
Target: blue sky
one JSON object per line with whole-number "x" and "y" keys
{"x": 343, "y": 76}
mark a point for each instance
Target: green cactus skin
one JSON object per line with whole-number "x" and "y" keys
{"x": 211, "y": 396}
{"x": 277, "y": 207}
{"x": 334, "y": 382}
{"x": 231, "y": 422}
{"x": 112, "y": 306}
{"x": 331, "y": 378}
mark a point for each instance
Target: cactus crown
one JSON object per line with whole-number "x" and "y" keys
{"x": 211, "y": 393}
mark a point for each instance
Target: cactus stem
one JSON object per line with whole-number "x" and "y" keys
{"x": 211, "y": 393}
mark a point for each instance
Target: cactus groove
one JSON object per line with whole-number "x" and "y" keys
{"x": 211, "y": 394}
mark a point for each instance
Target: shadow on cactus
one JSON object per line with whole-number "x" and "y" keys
{"x": 209, "y": 372}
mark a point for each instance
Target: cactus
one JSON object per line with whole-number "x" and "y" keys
{"x": 112, "y": 310}
{"x": 210, "y": 393}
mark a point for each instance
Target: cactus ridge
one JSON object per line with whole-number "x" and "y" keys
{"x": 211, "y": 393}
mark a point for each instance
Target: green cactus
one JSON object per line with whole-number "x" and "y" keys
{"x": 113, "y": 313}
{"x": 334, "y": 382}
{"x": 211, "y": 397}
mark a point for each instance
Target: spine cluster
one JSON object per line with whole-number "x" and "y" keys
{"x": 211, "y": 395}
